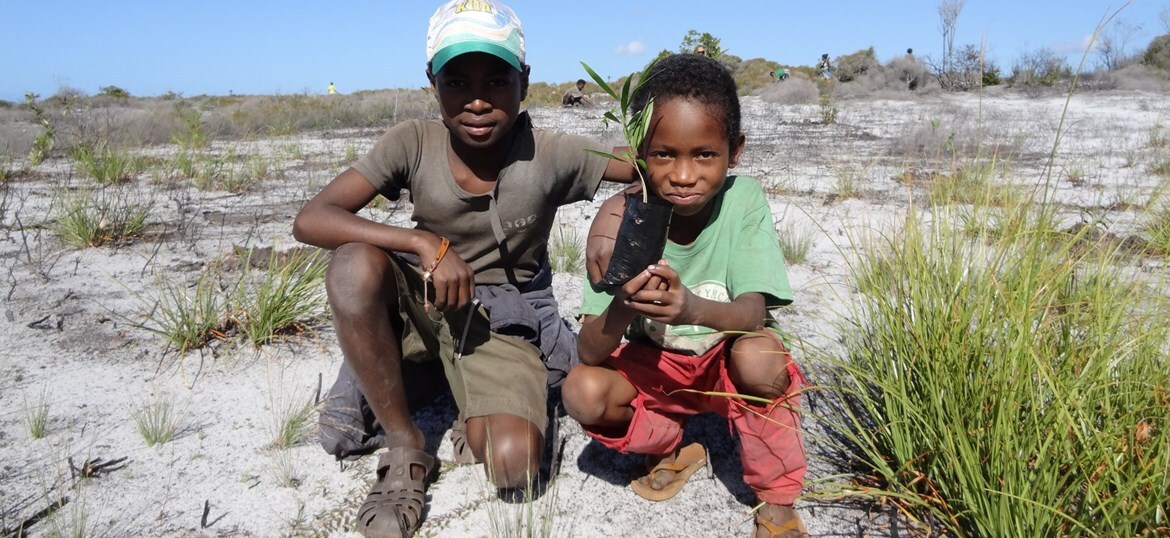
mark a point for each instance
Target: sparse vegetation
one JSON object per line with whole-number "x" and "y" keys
{"x": 157, "y": 420}
{"x": 105, "y": 164}
{"x": 288, "y": 297}
{"x": 92, "y": 218}
{"x": 293, "y": 418}
{"x": 796, "y": 241}
{"x": 566, "y": 250}
{"x": 36, "y": 414}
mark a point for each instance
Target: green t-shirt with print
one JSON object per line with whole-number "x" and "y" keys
{"x": 737, "y": 252}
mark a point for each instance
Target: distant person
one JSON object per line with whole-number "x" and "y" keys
{"x": 701, "y": 50}
{"x": 576, "y": 97}
{"x": 825, "y": 67}
{"x": 677, "y": 337}
{"x": 332, "y": 89}
{"x": 778, "y": 74}
{"x": 468, "y": 286}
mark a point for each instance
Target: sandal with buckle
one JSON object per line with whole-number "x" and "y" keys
{"x": 690, "y": 458}
{"x": 394, "y": 506}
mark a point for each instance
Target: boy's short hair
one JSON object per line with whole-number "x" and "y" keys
{"x": 692, "y": 76}
{"x": 462, "y": 26}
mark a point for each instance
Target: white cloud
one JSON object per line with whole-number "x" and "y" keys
{"x": 633, "y": 48}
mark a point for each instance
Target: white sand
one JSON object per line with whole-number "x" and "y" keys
{"x": 72, "y": 331}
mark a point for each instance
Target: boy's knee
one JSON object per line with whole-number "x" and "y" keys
{"x": 758, "y": 366}
{"x": 514, "y": 460}
{"x": 356, "y": 275}
{"x": 583, "y": 394}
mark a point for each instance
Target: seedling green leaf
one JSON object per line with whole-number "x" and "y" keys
{"x": 634, "y": 125}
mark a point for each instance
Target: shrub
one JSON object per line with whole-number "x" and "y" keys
{"x": 852, "y": 66}
{"x": 1157, "y": 55}
{"x": 114, "y": 92}
{"x": 797, "y": 90}
{"x": 1042, "y": 67}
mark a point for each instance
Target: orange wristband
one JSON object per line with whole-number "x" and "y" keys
{"x": 444, "y": 245}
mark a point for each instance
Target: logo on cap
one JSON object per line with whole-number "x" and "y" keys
{"x": 463, "y": 26}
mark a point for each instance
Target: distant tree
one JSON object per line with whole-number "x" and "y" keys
{"x": 694, "y": 39}
{"x": 948, "y": 21}
{"x": 1164, "y": 16}
{"x": 1113, "y": 45}
{"x": 663, "y": 54}
{"x": 1158, "y": 53}
{"x": 114, "y": 91}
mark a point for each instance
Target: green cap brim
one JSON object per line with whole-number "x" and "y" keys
{"x": 455, "y": 49}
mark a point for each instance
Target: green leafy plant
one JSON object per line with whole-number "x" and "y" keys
{"x": 43, "y": 143}
{"x": 114, "y": 91}
{"x": 634, "y": 124}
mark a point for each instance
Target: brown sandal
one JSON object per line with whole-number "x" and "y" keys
{"x": 793, "y": 528}
{"x": 459, "y": 446}
{"x": 690, "y": 458}
{"x": 394, "y": 506}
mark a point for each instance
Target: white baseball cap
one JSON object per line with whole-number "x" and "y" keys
{"x": 462, "y": 26}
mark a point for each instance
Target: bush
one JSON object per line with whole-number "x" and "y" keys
{"x": 797, "y": 90}
{"x": 852, "y": 66}
{"x": 1042, "y": 67}
{"x": 114, "y": 91}
{"x": 1158, "y": 53}
{"x": 751, "y": 75}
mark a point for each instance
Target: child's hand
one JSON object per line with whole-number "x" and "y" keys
{"x": 452, "y": 284}
{"x": 659, "y": 294}
{"x": 602, "y": 236}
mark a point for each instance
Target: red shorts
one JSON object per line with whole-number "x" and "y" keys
{"x": 669, "y": 389}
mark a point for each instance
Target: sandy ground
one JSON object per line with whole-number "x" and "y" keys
{"x": 73, "y": 329}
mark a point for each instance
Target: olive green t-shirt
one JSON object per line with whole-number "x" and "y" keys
{"x": 502, "y": 235}
{"x": 737, "y": 252}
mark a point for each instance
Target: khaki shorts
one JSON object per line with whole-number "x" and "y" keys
{"x": 489, "y": 373}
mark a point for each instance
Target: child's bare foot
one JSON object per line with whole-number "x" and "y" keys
{"x": 779, "y": 521}
{"x": 666, "y": 476}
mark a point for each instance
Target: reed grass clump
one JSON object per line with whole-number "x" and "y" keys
{"x": 92, "y": 218}
{"x": 105, "y": 164}
{"x": 187, "y": 317}
{"x": 287, "y": 297}
{"x": 157, "y": 420}
{"x": 796, "y": 241}
{"x": 567, "y": 250}
{"x": 1015, "y": 386}
{"x": 36, "y": 415}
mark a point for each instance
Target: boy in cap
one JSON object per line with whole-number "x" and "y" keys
{"x": 469, "y": 285}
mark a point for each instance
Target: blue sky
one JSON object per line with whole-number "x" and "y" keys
{"x": 251, "y": 47}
